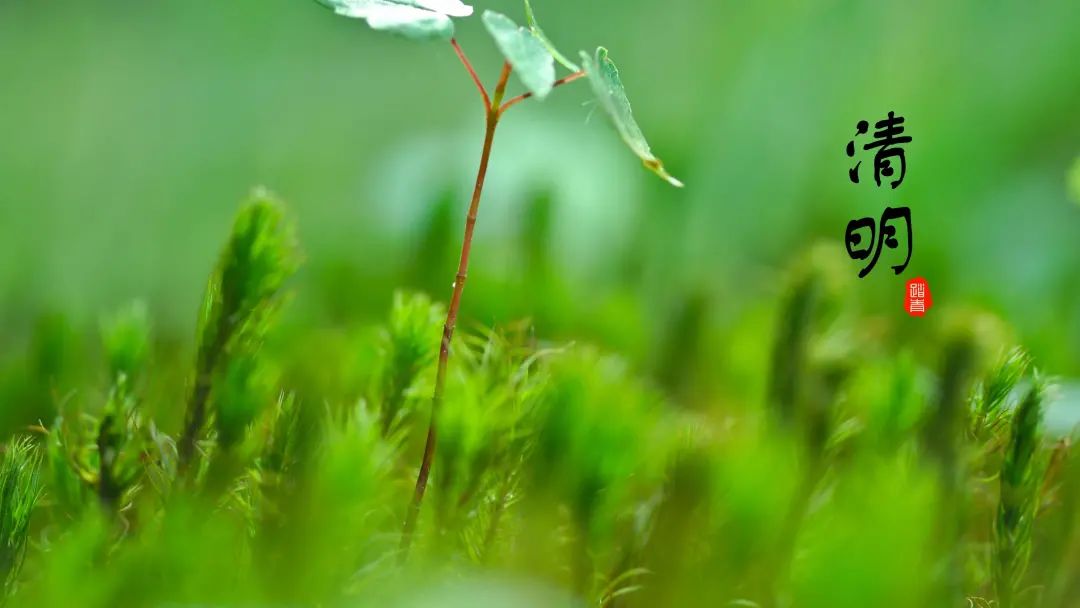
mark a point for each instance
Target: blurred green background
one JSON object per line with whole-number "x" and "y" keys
{"x": 130, "y": 130}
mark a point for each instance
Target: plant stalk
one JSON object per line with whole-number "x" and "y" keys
{"x": 526, "y": 95}
{"x": 492, "y": 122}
{"x": 200, "y": 394}
{"x": 472, "y": 73}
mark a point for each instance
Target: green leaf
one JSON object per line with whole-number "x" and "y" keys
{"x": 539, "y": 33}
{"x": 532, "y": 62}
{"x": 608, "y": 87}
{"x": 416, "y": 19}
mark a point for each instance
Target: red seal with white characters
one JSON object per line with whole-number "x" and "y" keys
{"x": 918, "y": 300}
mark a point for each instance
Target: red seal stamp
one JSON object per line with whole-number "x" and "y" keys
{"x": 918, "y": 300}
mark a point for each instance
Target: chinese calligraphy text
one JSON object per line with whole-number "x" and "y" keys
{"x": 889, "y": 162}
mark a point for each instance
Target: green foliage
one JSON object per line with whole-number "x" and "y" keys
{"x": 241, "y": 394}
{"x": 485, "y": 425}
{"x": 989, "y": 411}
{"x": 101, "y": 451}
{"x": 1021, "y": 475}
{"x": 259, "y": 256}
{"x": 532, "y": 61}
{"x": 611, "y": 96}
{"x": 563, "y": 476}
{"x": 588, "y": 434}
{"x": 20, "y": 489}
{"x": 561, "y": 466}
{"x": 116, "y": 449}
{"x": 408, "y": 346}
{"x": 241, "y": 299}
{"x": 417, "y": 19}
{"x": 283, "y": 444}
{"x": 65, "y": 472}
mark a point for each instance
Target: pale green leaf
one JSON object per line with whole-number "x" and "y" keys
{"x": 530, "y": 16}
{"x": 417, "y": 19}
{"x": 608, "y": 87}
{"x": 531, "y": 60}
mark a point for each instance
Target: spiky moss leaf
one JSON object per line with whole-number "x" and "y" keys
{"x": 355, "y": 457}
{"x": 126, "y": 338}
{"x": 65, "y": 486}
{"x": 611, "y": 95}
{"x": 482, "y": 421}
{"x": 260, "y": 256}
{"x": 416, "y": 19}
{"x": 1021, "y": 473}
{"x": 347, "y": 504}
{"x": 599, "y": 448}
{"x": 988, "y": 403}
{"x": 1003, "y": 378}
{"x": 285, "y": 437}
{"x": 240, "y": 301}
{"x": 532, "y": 62}
{"x": 530, "y": 17}
{"x": 105, "y": 452}
{"x": 20, "y": 488}
{"x": 589, "y": 435}
{"x": 120, "y": 441}
{"x": 408, "y": 345}
{"x": 118, "y": 452}
{"x": 241, "y": 393}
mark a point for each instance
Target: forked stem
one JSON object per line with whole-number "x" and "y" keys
{"x": 524, "y": 96}
{"x": 472, "y": 72}
{"x": 493, "y": 114}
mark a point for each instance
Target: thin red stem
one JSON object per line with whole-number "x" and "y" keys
{"x": 451, "y": 316}
{"x": 476, "y": 79}
{"x": 524, "y": 96}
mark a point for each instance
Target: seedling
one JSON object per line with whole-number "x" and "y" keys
{"x": 531, "y": 56}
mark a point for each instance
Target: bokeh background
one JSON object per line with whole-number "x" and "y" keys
{"x": 781, "y": 429}
{"x": 130, "y": 130}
